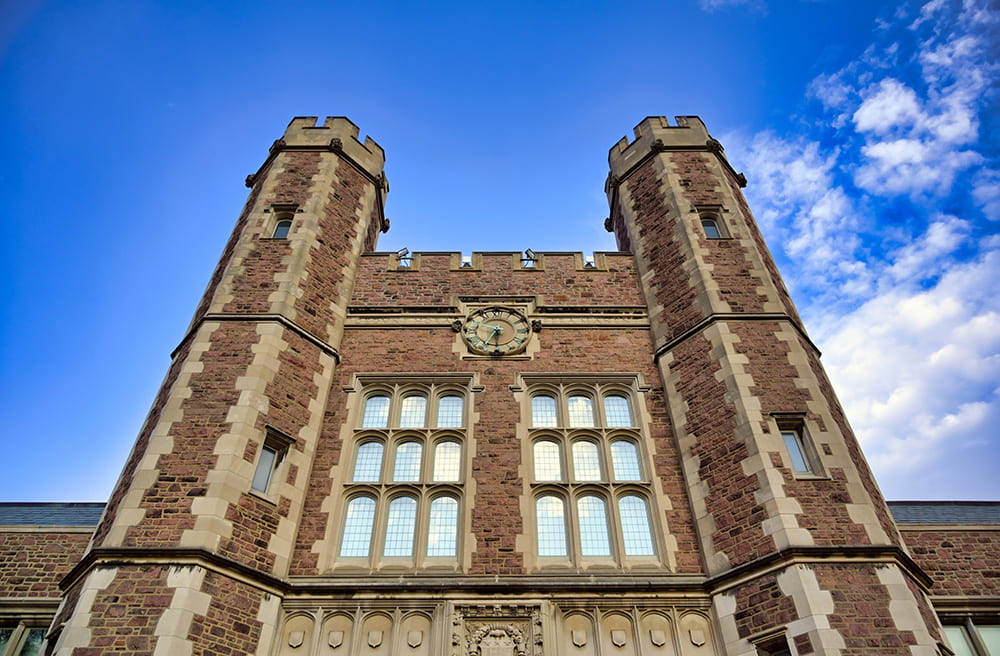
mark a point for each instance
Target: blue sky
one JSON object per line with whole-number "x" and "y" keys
{"x": 866, "y": 130}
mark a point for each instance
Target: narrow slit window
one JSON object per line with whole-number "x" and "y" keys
{"x": 399, "y": 527}
{"x": 442, "y": 529}
{"x": 550, "y": 517}
{"x": 711, "y": 228}
{"x": 281, "y": 229}
{"x": 406, "y": 468}
{"x": 358, "y": 528}
{"x": 266, "y": 465}
{"x": 796, "y": 451}
{"x": 376, "y": 412}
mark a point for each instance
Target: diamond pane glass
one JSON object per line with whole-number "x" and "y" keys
{"x": 399, "y": 527}
{"x": 636, "y": 535}
{"x": 33, "y": 644}
{"x": 586, "y": 461}
{"x": 413, "y": 412}
{"x": 543, "y": 412}
{"x": 548, "y": 465}
{"x": 449, "y": 412}
{"x": 551, "y": 520}
{"x": 625, "y": 461}
{"x": 358, "y": 528}
{"x": 376, "y": 412}
{"x": 581, "y": 412}
{"x": 407, "y": 464}
{"x": 368, "y": 464}
{"x": 5, "y": 635}
{"x": 617, "y": 411}
{"x": 593, "y": 519}
{"x": 447, "y": 462}
{"x": 442, "y": 529}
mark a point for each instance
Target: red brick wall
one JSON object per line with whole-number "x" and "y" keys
{"x": 434, "y": 284}
{"x": 33, "y": 562}
{"x": 761, "y": 606}
{"x": 231, "y": 625}
{"x": 962, "y": 561}
{"x": 126, "y": 612}
{"x": 497, "y": 518}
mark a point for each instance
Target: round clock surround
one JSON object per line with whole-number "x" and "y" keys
{"x": 496, "y": 330}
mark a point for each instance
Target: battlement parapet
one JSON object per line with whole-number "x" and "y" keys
{"x": 514, "y": 261}
{"x": 337, "y": 133}
{"x": 656, "y": 133}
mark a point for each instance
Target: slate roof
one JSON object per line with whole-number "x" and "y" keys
{"x": 945, "y": 512}
{"x": 50, "y": 514}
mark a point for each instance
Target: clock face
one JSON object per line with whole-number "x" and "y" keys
{"x": 496, "y": 331}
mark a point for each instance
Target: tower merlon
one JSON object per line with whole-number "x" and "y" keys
{"x": 336, "y": 133}
{"x": 656, "y": 131}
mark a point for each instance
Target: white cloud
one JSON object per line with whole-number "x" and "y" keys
{"x": 986, "y": 193}
{"x": 715, "y": 5}
{"x": 891, "y": 105}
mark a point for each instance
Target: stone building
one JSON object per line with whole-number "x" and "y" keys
{"x": 386, "y": 454}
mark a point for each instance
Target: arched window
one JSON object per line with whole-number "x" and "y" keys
{"x": 586, "y": 461}
{"x": 636, "y": 535}
{"x": 617, "y": 412}
{"x": 281, "y": 229}
{"x": 550, "y": 519}
{"x": 376, "y": 412}
{"x": 406, "y": 467}
{"x": 360, "y": 518}
{"x": 442, "y": 527}
{"x": 401, "y": 521}
{"x": 625, "y": 461}
{"x": 447, "y": 462}
{"x": 449, "y": 413}
{"x": 368, "y": 463}
{"x": 581, "y": 411}
{"x": 711, "y": 228}
{"x": 592, "y": 517}
{"x": 548, "y": 463}
{"x": 543, "y": 412}
{"x": 413, "y": 412}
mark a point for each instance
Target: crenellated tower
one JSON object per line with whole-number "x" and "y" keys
{"x": 199, "y": 530}
{"x": 796, "y": 539}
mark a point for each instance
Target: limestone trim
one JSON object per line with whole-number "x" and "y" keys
{"x": 717, "y": 317}
{"x": 819, "y": 554}
{"x": 219, "y": 317}
{"x": 77, "y": 630}
{"x": 174, "y": 626}
{"x": 905, "y": 612}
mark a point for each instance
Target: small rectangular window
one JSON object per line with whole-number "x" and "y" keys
{"x": 272, "y": 453}
{"x": 801, "y": 454}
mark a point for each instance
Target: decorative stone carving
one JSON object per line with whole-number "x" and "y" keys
{"x": 497, "y": 631}
{"x": 335, "y": 639}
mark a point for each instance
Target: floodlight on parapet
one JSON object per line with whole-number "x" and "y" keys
{"x": 403, "y": 256}
{"x": 529, "y": 259}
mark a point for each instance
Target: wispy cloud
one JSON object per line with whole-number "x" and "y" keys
{"x": 890, "y": 240}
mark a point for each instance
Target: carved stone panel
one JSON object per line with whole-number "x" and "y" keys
{"x": 496, "y": 630}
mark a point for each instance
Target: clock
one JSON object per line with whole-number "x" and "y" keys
{"x": 496, "y": 331}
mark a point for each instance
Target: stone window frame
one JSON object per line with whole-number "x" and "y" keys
{"x": 278, "y": 443}
{"x": 793, "y": 424}
{"x": 968, "y": 627}
{"x": 425, "y": 490}
{"x": 712, "y": 213}
{"x": 611, "y": 491}
{"x": 21, "y": 631}
{"x": 280, "y": 214}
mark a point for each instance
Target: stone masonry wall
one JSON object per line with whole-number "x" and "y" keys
{"x": 33, "y": 561}
{"x": 963, "y": 561}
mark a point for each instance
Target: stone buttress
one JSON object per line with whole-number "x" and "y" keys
{"x": 799, "y": 548}
{"x": 192, "y": 548}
